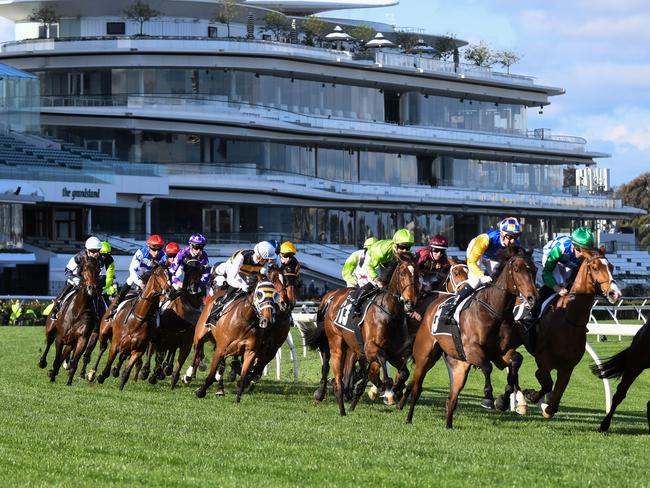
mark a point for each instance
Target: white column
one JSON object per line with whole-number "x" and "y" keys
{"x": 89, "y": 221}
{"x": 147, "y": 217}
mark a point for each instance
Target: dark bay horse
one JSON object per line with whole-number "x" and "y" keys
{"x": 241, "y": 328}
{"x": 384, "y": 332}
{"x": 479, "y": 329}
{"x": 562, "y": 329}
{"x": 132, "y": 327}
{"x": 177, "y": 320}
{"x": 75, "y": 321}
{"x": 627, "y": 365}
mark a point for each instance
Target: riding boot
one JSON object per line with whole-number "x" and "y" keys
{"x": 57, "y": 300}
{"x": 120, "y": 298}
{"x": 219, "y": 304}
{"x": 174, "y": 294}
{"x": 447, "y": 312}
{"x": 361, "y": 295}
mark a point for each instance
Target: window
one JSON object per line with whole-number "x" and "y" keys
{"x": 212, "y": 31}
{"x": 115, "y": 28}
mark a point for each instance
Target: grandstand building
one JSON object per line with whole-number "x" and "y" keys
{"x": 180, "y": 123}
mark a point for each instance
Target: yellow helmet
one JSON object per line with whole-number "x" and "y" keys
{"x": 288, "y": 247}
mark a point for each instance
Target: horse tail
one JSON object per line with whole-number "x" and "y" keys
{"x": 612, "y": 367}
{"x": 315, "y": 337}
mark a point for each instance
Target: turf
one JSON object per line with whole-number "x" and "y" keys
{"x": 90, "y": 434}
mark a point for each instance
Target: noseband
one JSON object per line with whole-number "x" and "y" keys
{"x": 265, "y": 296}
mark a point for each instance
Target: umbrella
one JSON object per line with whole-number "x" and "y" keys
{"x": 422, "y": 48}
{"x": 338, "y": 35}
{"x": 379, "y": 41}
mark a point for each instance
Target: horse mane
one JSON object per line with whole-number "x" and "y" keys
{"x": 505, "y": 255}
{"x": 193, "y": 265}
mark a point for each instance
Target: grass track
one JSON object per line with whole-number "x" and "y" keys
{"x": 91, "y": 434}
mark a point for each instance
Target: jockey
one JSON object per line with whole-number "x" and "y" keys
{"x": 289, "y": 264}
{"x": 380, "y": 256}
{"x": 433, "y": 262}
{"x": 171, "y": 250}
{"x": 354, "y": 270}
{"x": 240, "y": 270}
{"x": 109, "y": 287}
{"x": 73, "y": 270}
{"x": 194, "y": 250}
{"x": 143, "y": 261}
{"x": 561, "y": 260}
{"x": 483, "y": 254}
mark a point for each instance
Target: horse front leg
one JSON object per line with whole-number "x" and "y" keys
{"x": 425, "y": 355}
{"x": 321, "y": 391}
{"x": 621, "y": 391}
{"x": 146, "y": 368}
{"x": 183, "y": 352}
{"x": 337, "y": 355}
{"x": 217, "y": 357}
{"x": 103, "y": 345}
{"x": 109, "y": 362}
{"x": 543, "y": 375}
{"x": 135, "y": 357}
{"x": 360, "y": 387}
{"x": 249, "y": 357}
{"x": 90, "y": 346}
{"x": 514, "y": 362}
{"x": 58, "y": 359}
{"x": 72, "y": 368}
{"x": 50, "y": 335}
{"x": 459, "y": 373}
{"x": 487, "y": 401}
{"x": 168, "y": 365}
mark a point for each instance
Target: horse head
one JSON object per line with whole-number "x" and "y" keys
{"x": 192, "y": 271}
{"x": 595, "y": 275}
{"x": 457, "y": 276}
{"x": 266, "y": 297}
{"x": 157, "y": 283}
{"x": 285, "y": 286}
{"x": 405, "y": 281}
{"x": 90, "y": 274}
{"x": 517, "y": 274}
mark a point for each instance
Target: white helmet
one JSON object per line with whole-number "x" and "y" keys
{"x": 93, "y": 244}
{"x": 265, "y": 250}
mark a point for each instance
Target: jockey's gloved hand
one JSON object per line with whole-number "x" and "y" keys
{"x": 76, "y": 281}
{"x": 484, "y": 280}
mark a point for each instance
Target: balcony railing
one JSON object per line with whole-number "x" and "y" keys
{"x": 206, "y": 106}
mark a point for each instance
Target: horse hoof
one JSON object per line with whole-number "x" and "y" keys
{"x": 529, "y": 395}
{"x": 65, "y": 364}
{"x": 115, "y": 372}
{"x": 319, "y": 394}
{"x": 389, "y": 398}
{"x": 200, "y": 393}
{"x": 91, "y": 376}
{"x": 501, "y": 403}
{"x": 153, "y": 379}
{"x": 42, "y": 363}
{"x": 143, "y": 374}
{"x": 100, "y": 379}
{"x": 186, "y": 380}
{"x": 546, "y": 413}
{"x": 487, "y": 403}
{"x": 202, "y": 365}
{"x": 373, "y": 392}
{"x": 168, "y": 370}
{"x": 220, "y": 392}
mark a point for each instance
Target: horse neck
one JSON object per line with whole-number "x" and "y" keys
{"x": 498, "y": 294}
{"x": 146, "y": 300}
{"x": 577, "y": 304}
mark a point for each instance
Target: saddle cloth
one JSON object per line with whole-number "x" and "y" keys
{"x": 218, "y": 309}
{"x": 521, "y": 310}
{"x": 344, "y": 317}
{"x": 446, "y": 328}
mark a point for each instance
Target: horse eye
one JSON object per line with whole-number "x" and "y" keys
{"x": 259, "y": 296}
{"x": 276, "y": 297}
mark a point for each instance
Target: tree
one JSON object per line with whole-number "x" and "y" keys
{"x": 479, "y": 54}
{"x": 363, "y": 33}
{"x": 507, "y": 58}
{"x": 46, "y": 16}
{"x": 277, "y": 23}
{"x": 637, "y": 194}
{"x": 140, "y": 12}
{"x": 406, "y": 39}
{"x": 445, "y": 46}
{"x": 226, "y": 13}
{"x": 314, "y": 28}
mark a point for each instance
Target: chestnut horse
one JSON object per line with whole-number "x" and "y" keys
{"x": 562, "y": 329}
{"x": 479, "y": 329}
{"x": 75, "y": 321}
{"x": 177, "y": 320}
{"x": 384, "y": 332}
{"x": 132, "y": 327}
{"x": 242, "y": 326}
{"x": 627, "y": 365}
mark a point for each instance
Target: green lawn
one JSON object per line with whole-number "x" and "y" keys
{"x": 91, "y": 434}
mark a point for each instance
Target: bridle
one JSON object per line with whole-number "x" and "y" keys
{"x": 266, "y": 296}
{"x": 598, "y": 285}
{"x": 452, "y": 279}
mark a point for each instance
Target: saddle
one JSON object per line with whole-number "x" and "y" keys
{"x": 348, "y": 320}
{"x": 220, "y": 305}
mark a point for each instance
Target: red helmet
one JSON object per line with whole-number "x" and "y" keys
{"x": 172, "y": 249}
{"x": 155, "y": 242}
{"x": 438, "y": 242}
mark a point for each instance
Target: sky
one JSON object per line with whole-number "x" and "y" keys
{"x": 595, "y": 49}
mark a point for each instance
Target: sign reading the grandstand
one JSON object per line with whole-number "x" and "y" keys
{"x": 85, "y": 193}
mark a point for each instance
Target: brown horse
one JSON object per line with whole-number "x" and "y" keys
{"x": 562, "y": 329}
{"x": 479, "y": 329}
{"x": 627, "y": 365}
{"x": 177, "y": 320}
{"x": 241, "y": 328}
{"x": 384, "y": 333}
{"x": 132, "y": 327}
{"x": 75, "y": 321}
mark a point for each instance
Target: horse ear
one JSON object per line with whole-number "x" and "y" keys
{"x": 601, "y": 250}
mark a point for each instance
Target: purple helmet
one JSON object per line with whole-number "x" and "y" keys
{"x": 197, "y": 240}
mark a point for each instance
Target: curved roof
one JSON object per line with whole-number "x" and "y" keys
{"x": 314, "y": 6}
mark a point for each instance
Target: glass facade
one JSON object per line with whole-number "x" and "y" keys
{"x": 19, "y": 101}
{"x": 11, "y": 226}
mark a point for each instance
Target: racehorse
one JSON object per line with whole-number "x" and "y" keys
{"x": 75, "y": 321}
{"x": 562, "y": 331}
{"x": 384, "y": 333}
{"x": 132, "y": 327}
{"x": 627, "y": 365}
{"x": 241, "y": 328}
{"x": 479, "y": 329}
{"x": 177, "y": 320}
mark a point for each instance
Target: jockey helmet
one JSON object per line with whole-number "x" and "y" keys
{"x": 93, "y": 244}
{"x": 403, "y": 237}
{"x": 265, "y": 250}
{"x": 288, "y": 247}
{"x": 155, "y": 242}
{"x": 438, "y": 242}
{"x": 106, "y": 248}
{"x": 510, "y": 226}
{"x": 369, "y": 242}
{"x": 197, "y": 240}
{"x": 582, "y": 237}
{"x": 172, "y": 249}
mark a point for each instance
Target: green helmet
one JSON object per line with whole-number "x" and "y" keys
{"x": 403, "y": 237}
{"x": 369, "y": 242}
{"x": 106, "y": 248}
{"x": 582, "y": 237}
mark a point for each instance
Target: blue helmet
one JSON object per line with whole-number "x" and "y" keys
{"x": 197, "y": 240}
{"x": 510, "y": 226}
{"x": 276, "y": 245}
